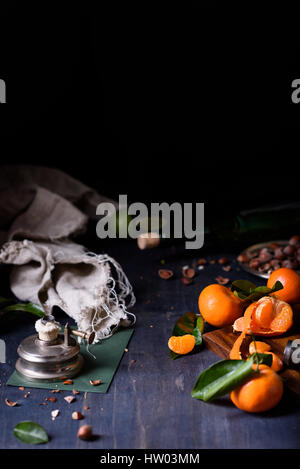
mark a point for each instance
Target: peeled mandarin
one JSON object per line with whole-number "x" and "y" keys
{"x": 182, "y": 344}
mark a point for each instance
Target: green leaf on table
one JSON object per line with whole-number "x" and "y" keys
{"x": 31, "y": 433}
{"x": 32, "y": 308}
{"x": 189, "y": 323}
{"x": 224, "y": 376}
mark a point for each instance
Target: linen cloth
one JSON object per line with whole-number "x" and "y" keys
{"x": 41, "y": 211}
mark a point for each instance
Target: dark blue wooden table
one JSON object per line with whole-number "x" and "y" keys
{"x": 149, "y": 404}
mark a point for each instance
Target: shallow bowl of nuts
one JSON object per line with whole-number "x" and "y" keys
{"x": 262, "y": 259}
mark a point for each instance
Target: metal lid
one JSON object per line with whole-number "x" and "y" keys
{"x": 35, "y": 350}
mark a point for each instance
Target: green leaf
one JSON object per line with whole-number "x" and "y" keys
{"x": 221, "y": 378}
{"x": 277, "y": 286}
{"x": 263, "y": 358}
{"x": 189, "y": 323}
{"x": 28, "y": 307}
{"x": 262, "y": 289}
{"x": 243, "y": 285}
{"x": 224, "y": 376}
{"x": 31, "y": 433}
{"x": 198, "y": 330}
{"x": 240, "y": 295}
{"x": 246, "y": 290}
{"x": 198, "y": 336}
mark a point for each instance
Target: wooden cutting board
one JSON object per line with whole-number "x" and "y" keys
{"x": 221, "y": 341}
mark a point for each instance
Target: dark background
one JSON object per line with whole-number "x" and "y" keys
{"x": 163, "y": 104}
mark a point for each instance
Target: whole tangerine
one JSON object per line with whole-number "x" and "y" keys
{"x": 290, "y": 280}
{"x": 261, "y": 392}
{"x": 219, "y": 306}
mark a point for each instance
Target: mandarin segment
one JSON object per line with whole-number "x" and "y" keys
{"x": 265, "y": 312}
{"x": 259, "y": 347}
{"x": 183, "y": 344}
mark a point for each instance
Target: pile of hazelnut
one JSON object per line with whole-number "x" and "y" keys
{"x": 274, "y": 256}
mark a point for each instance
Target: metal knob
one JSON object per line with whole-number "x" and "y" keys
{"x": 84, "y": 335}
{"x": 67, "y": 331}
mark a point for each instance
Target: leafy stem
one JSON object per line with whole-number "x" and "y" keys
{"x": 249, "y": 292}
{"x": 7, "y": 305}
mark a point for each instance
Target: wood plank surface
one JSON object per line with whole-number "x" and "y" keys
{"x": 221, "y": 341}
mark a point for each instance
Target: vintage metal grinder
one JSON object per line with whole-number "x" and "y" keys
{"x": 51, "y": 355}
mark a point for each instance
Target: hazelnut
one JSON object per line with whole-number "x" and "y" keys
{"x": 202, "y": 261}
{"x": 289, "y": 250}
{"x": 165, "y": 274}
{"x": 223, "y": 261}
{"x": 243, "y": 258}
{"x": 294, "y": 240}
{"x": 254, "y": 264}
{"x": 278, "y": 254}
{"x": 288, "y": 264}
{"x": 265, "y": 255}
{"x": 265, "y": 267}
{"x": 85, "y": 432}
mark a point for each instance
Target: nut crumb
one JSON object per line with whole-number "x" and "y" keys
{"x": 69, "y": 399}
{"x": 10, "y": 403}
{"x": 222, "y": 280}
{"x": 51, "y": 399}
{"x": 68, "y": 381}
{"x": 95, "y": 382}
{"x": 54, "y": 414}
